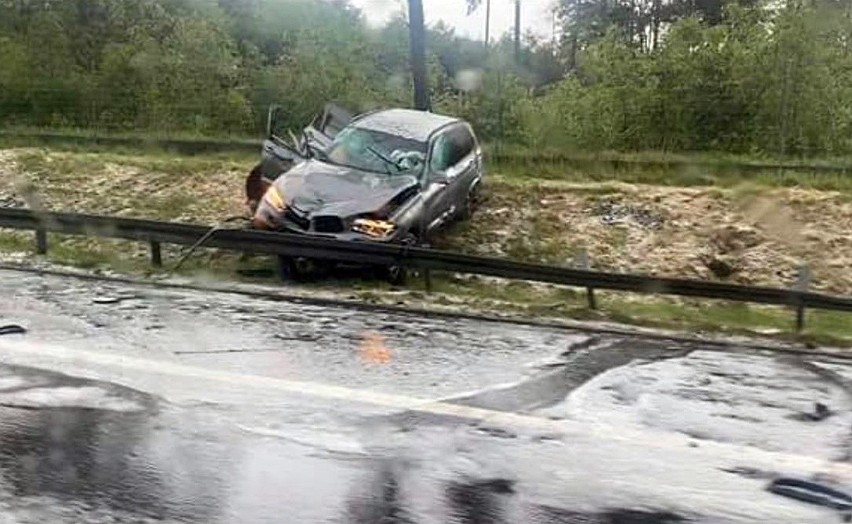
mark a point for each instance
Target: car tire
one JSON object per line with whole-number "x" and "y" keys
{"x": 397, "y": 274}
{"x": 298, "y": 269}
{"x": 471, "y": 203}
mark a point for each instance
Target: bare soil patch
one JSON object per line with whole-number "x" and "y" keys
{"x": 745, "y": 234}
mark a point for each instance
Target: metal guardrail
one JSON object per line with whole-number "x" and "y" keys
{"x": 272, "y": 243}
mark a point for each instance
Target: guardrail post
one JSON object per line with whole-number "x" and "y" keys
{"x": 41, "y": 241}
{"x": 802, "y": 284}
{"x": 583, "y": 262}
{"x": 427, "y": 280}
{"x": 156, "y": 254}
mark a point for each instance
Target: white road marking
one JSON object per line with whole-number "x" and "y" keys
{"x": 734, "y": 454}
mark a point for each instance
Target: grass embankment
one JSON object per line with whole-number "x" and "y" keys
{"x": 752, "y": 226}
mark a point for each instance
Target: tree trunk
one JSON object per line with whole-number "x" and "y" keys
{"x": 417, "y": 37}
{"x": 631, "y": 23}
{"x": 573, "y": 61}
{"x": 655, "y": 22}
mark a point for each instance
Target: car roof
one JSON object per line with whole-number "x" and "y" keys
{"x": 407, "y": 123}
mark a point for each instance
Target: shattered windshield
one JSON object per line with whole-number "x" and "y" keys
{"x": 379, "y": 152}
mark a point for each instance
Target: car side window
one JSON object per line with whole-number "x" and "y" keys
{"x": 462, "y": 144}
{"x": 451, "y": 147}
{"x": 441, "y": 153}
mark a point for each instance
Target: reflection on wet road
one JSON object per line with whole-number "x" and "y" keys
{"x": 158, "y": 429}
{"x": 435, "y": 357}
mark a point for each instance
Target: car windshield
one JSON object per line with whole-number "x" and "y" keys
{"x": 372, "y": 150}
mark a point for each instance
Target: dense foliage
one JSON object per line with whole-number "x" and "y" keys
{"x": 773, "y": 78}
{"x": 747, "y": 76}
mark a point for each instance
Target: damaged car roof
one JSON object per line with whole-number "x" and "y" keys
{"x": 406, "y": 123}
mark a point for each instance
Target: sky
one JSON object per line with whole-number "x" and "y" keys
{"x": 536, "y": 15}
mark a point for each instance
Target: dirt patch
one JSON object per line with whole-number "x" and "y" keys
{"x": 753, "y": 235}
{"x": 707, "y": 233}
{"x": 99, "y": 184}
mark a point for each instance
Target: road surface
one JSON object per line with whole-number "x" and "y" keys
{"x": 138, "y": 404}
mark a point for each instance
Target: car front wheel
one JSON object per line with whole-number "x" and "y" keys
{"x": 397, "y": 274}
{"x": 300, "y": 269}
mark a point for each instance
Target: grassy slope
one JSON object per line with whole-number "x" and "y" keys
{"x": 538, "y": 214}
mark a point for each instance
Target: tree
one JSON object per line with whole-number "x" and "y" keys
{"x": 473, "y": 5}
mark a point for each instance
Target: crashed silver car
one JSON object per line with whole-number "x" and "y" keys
{"x": 395, "y": 175}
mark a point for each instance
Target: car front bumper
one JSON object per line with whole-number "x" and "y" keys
{"x": 268, "y": 219}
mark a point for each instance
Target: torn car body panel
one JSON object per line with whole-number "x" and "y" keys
{"x": 282, "y": 149}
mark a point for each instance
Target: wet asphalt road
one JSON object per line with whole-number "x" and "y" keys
{"x": 136, "y": 404}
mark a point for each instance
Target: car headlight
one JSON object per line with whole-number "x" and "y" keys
{"x": 373, "y": 228}
{"x": 274, "y": 198}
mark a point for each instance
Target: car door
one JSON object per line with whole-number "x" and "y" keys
{"x": 451, "y": 166}
{"x": 279, "y": 155}
{"x": 467, "y": 169}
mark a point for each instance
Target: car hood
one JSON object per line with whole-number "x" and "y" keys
{"x": 318, "y": 188}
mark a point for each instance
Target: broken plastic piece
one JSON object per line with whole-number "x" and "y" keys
{"x": 811, "y": 492}
{"x": 12, "y": 329}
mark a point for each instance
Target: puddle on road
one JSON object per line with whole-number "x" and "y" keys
{"x": 558, "y": 378}
{"x": 426, "y": 356}
{"x": 76, "y": 442}
{"x": 775, "y": 404}
{"x": 393, "y": 492}
{"x": 548, "y": 515}
{"x": 74, "y": 450}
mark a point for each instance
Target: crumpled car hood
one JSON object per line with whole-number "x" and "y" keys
{"x": 315, "y": 188}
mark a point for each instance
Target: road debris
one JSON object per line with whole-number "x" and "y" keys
{"x": 12, "y": 329}
{"x": 811, "y": 492}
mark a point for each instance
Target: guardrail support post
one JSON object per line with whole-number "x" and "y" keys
{"x": 800, "y": 316}
{"x": 427, "y": 279}
{"x": 590, "y": 297}
{"x": 583, "y": 262}
{"x": 802, "y": 285}
{"x": 156, "y": 254}
{"x": 41, "y": 241}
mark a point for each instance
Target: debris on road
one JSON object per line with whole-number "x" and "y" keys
{"x": 613, "y": 212}
{"x": 12, "y": 329}
{"x": 811, "y": 492}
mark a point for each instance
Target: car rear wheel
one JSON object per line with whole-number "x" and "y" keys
{"x": 471, "y": 203}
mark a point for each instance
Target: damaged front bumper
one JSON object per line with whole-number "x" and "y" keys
{"x": 287, "y": 220}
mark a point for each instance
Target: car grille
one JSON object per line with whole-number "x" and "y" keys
{"x": 300, "y": 221}
{"x": 328, "y": 224}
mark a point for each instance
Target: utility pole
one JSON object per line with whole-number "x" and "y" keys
{"x": 487, "y": 22}
{"x": 517, "y": 31}
{"x": 417, "y": 38}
